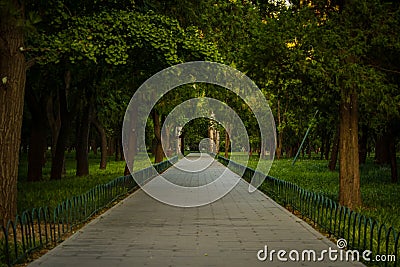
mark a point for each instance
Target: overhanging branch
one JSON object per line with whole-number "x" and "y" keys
{"x": 30, "y": 63}
{"x": 384, "y": 69}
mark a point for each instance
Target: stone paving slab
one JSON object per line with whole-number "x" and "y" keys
{"x": 140, "y": 231}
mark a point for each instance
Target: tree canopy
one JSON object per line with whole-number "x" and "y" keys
{"x": 83, "y": 60}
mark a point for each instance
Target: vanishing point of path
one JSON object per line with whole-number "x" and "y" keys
{"x": 140, "y": 231}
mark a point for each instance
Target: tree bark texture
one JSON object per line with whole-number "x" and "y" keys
{"x": 349, "y": 177}
{"x": 363, "y": 142}
{"x": 38, "y": 136}
{"x": 335, "y": 151}
{"x": 227, "y": 143}
{"x": 382, "y": 153}
{"x": 103, "y": 144}
{"x": 82, "y": 142}
{"x": 12, "y": 89}
{"x": 159, "y": 153}
{"x": 53, "y": 117}
{"x": 57, "y": 164}
{"x": 393, "y": 159}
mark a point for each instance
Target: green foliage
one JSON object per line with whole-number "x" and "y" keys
{"x": 307, "y": 57}
{"x": 118, "y": 37}
{"x": 12, "y": 251}
{"x": 195, "y": 131}
{"x": 304, "y": 58}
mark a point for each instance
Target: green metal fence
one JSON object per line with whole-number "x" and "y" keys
{"x": 42, "y": 227}
{"x": 361, "y": 233}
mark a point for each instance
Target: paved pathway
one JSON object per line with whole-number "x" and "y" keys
{"x": 141, "y": 231}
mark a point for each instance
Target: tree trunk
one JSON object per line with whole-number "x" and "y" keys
{"x": 278, "y": 150}
{"x": 12, "y": 87}
{"x": 38, "y": 140}
{"x": 111, "y": 146}
{"x": 182, "y": 140}
{"x": 93, "y": 146}
{"x": 121, "y": 151}
{"x": 309, "y": 150}
{"x": 393, "y": 161}
{"x": 335, "y": 151}
{"x": 289, "y": 151}
{"x": 126, "y": 170}
{"x": 54, "y": 120}
{"x": 211, "y": 137}
{"x": 382, "y": 153}
{"x": 227, "y": 143}
{"x": 322, "y": 150}
{"x": 349, "y": 177}
{"x": 57, "y": 164}
{"x": 159, "y": 153}
{"x": 263, "y": 149}
{"x": 363, "y": 144}
{"x": 167, "y": 138}
{"x": 82, "y": 143}
{"x": 271, "y": 149}
{"x": 103, "y": 145}
{"x": 117, "y": 145}
{"x": 130, "y": 142}
{"x": 328, "y": 147}
{"x": 385, "y": 151}
{"x": 36, "y": 153}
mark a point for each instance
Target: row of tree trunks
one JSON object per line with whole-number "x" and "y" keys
{"x": 42, "y": 112}
{"x": 385, "y": 150}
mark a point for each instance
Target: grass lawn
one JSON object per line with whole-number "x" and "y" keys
{"x": 50, "y": 193}
{"x": 381, "y": 198}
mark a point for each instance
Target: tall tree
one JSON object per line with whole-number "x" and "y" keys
{"x": 38, "y": 136}
{"x": 12, "y": 87}
{"x": 349, "y": 180}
